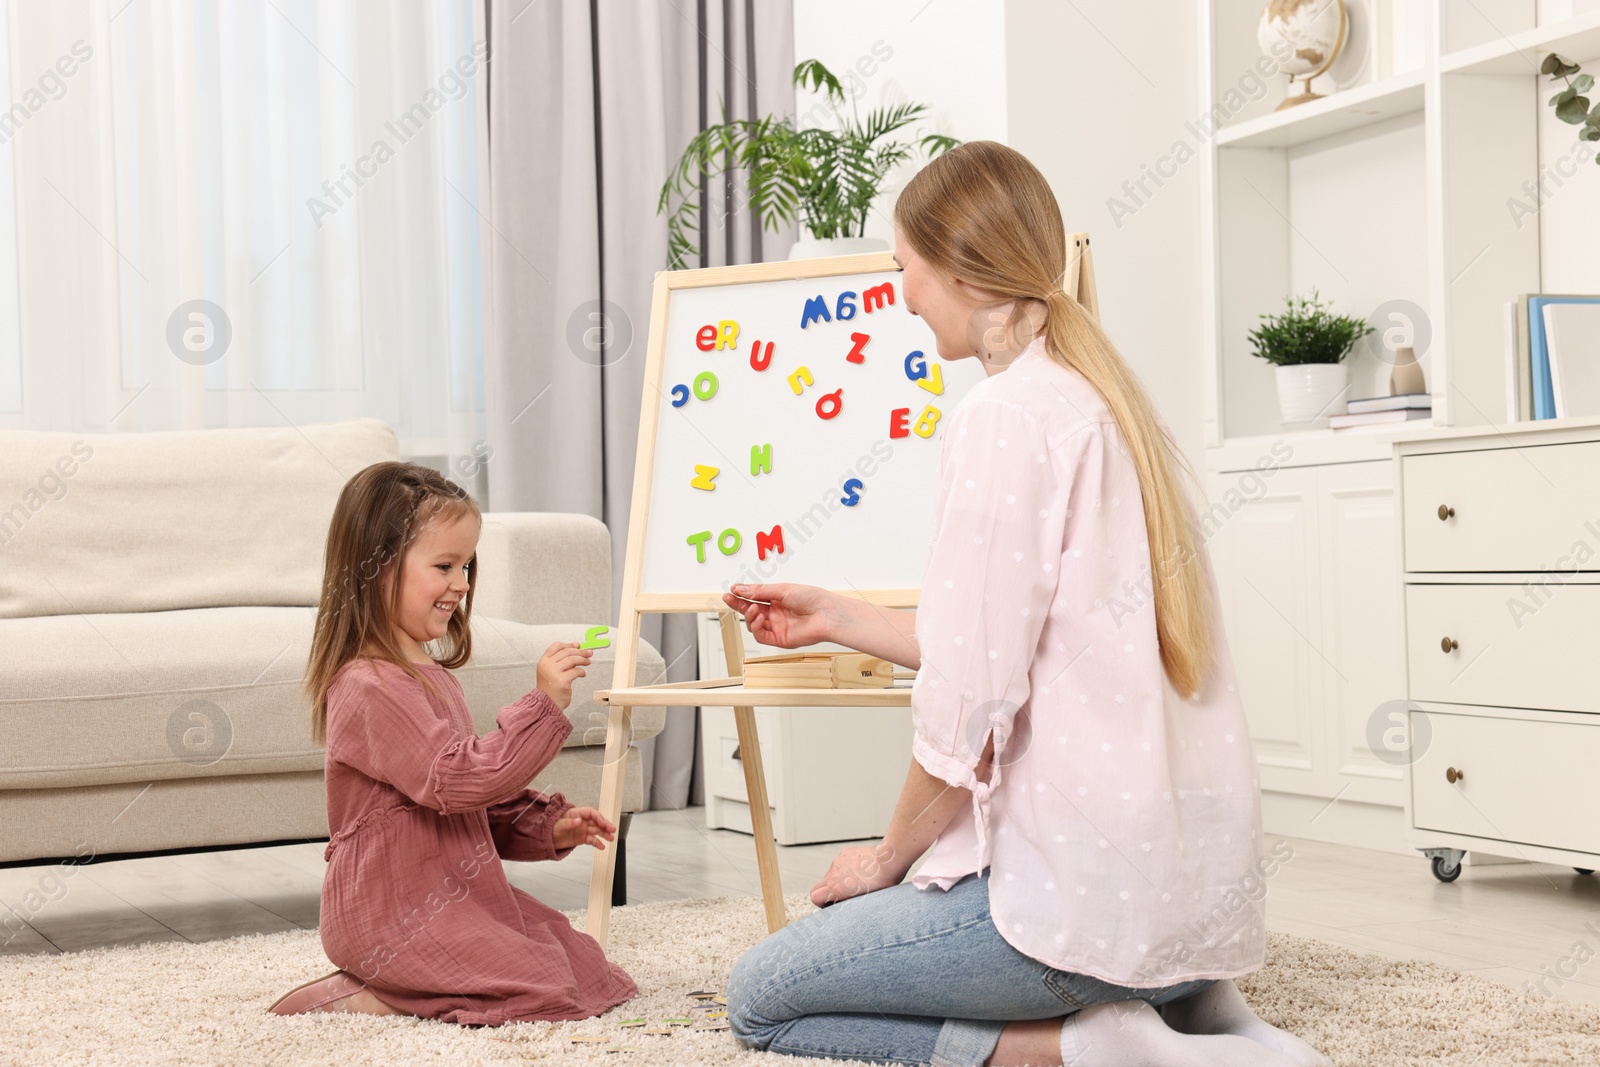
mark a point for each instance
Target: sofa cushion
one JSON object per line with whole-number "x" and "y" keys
{"x": 136, "y": 697}
{"x": 98, "y": 523}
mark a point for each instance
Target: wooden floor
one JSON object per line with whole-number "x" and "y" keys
{"x": 1515, "y": 923}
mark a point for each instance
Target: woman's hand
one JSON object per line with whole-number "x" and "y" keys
{"x": 562, "y": 664}
{"x": 855, "y": 871}
{"x": 790, "y": 617}
{"x": 582, "y": 826}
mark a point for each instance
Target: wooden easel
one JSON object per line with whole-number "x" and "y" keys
{"x": 625, "y": 694}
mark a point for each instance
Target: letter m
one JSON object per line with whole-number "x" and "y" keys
{"x": 816, "y": 308}
{"x": 877, "y": 296}
{"x": 768, "y": 540}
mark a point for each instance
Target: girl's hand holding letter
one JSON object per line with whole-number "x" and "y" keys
{"x": 563, "y": 664}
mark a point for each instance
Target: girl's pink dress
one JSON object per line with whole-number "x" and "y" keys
{"x": 415, "y": 902}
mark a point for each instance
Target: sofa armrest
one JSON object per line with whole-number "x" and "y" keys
{"x": 544, "y": 567}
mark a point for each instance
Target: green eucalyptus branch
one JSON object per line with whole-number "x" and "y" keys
{"x": 1571, "y": 105}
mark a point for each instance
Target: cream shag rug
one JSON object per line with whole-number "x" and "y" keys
{"x": 179, "y": 1003}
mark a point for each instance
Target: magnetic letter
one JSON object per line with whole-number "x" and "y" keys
{"x": 757, "y": 361}
{"x": 803, "y": 374}
{"x": 705, "y": 385}
{"x": 852, "y": 496}
{"x": 833, "y": 401}
{"x": 934, "y": 381}
{"x": 761, "y": 458}
{"x": 722, "y": 541}
{"x": 846, "y": 302}
{"x": 897, "y": 422}
{"x": 706, "y": 339}
{"x": 698, "y": 540}
{"x": 704, "y": 477}
{"x": 875, "y": 297}
{"x": 816, "y": 308}
{"x": 856, "y": 355}
{"x": 727, "y": 334}
{"x": 594, "y": 637}
{"x": 680, "y": 395}
{"x": 927, "y": 421}
{"x": 769, "y": 541}
{"x": 916, "y": 366}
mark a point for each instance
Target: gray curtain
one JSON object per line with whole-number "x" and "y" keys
{"x": 590, "y": 103}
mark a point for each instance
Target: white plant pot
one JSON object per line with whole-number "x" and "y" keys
{"x": 1310, "y": 392}
{"x": 817, "y": 247}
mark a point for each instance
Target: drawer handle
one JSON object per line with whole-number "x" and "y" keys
{"x": 1453, "y": 776}
{"x": 1449, "y": 645}
{"x": 1445, "y": 512}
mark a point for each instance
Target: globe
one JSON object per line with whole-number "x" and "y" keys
{"x": 1315, "y": 29}
{"x": 1312, "y": 27}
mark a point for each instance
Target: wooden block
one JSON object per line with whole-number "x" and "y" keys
{"x": 818, "y": 670}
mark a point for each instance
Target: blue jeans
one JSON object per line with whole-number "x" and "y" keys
{"x": 905, "y": 975}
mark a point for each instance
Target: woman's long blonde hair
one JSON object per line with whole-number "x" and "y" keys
{"x": 984, "y": 214}
{"x": 379, "y": 514}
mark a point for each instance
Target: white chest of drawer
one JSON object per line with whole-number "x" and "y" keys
{"x": 1500, "y": 542}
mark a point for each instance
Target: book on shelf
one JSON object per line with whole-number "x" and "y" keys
{"x": 1530, "y": 392}
{"x": 1387, "y": 403}
{"x": 1572, "y": 337}
{"x": 1367, "y": 418}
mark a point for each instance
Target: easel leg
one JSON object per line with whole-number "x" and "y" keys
{"x": 619, "y": 728}
{"x": 755, "y": 783}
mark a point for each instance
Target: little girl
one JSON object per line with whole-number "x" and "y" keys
{"x": 416, "y": 910}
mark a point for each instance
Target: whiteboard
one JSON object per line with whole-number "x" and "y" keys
{"x": 715, "y": 405}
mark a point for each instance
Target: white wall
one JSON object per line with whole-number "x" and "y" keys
{"x": 1097, "y": 91}
{"x": 1091, "y": 92}
{"x": 947, "y": 54}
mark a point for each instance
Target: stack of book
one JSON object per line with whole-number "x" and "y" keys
{"x": 1552, "y": 356}
{"x": 1367, "y": 410}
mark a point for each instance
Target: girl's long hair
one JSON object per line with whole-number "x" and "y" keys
{"x": 983, "y": 213}
{"x": 379, "y": 514}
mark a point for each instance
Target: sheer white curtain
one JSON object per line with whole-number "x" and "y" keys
{"x": 252, "y": 212}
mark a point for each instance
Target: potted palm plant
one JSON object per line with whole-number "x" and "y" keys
{"x": 1307, "y": 344}
{"x": 827, "y": 179}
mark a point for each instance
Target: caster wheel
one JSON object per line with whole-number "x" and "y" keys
{"x": 1442, "y": 874}
{"x": 1584, "y": 870}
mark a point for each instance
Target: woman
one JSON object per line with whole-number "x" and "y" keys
{"x": 1081, "y": 768}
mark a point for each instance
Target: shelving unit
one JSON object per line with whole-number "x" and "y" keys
{"x": 1521, "y": 52}
{"x": 1339, "y": 113}
{"x": 1393, "y": 189}
{"x": 1403, "y": 186}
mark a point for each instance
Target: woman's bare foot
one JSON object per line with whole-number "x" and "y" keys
{"x": 1221, "y": 1009}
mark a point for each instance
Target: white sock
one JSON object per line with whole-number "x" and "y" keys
{"x": 1129, "y": 1033}
{"x": 1221, "y": 1009}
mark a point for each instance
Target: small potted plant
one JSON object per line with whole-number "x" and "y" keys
{"x": 826, "y": 178}
{"x": 1307, "y": 344}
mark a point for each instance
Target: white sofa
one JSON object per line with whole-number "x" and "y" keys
{"x": 157, "y": 593}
